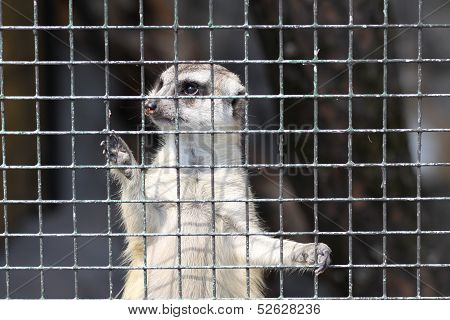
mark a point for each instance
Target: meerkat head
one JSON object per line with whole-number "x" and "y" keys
{"x": 193, "y": 85}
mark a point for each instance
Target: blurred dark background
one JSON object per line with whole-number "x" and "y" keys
{"x": 55, "y": 115}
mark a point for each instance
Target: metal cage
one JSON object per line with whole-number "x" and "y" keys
{"x": 37, "y": 273}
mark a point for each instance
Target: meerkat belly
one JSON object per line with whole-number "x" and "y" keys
{"x": 197, "y": 251}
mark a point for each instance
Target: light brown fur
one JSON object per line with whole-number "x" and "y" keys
{"x": 197, "y": 252}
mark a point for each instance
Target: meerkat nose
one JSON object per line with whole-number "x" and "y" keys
{"x": 150, "y": 107}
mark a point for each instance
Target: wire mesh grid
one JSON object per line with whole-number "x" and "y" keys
{"x": 281, "y": 62}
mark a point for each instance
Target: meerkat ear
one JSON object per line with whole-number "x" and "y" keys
{"x": 238, "y": 105}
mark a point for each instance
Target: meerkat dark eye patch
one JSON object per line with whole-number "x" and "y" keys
{"x": 190, "y": 88}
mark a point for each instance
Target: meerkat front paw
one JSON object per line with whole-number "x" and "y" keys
{"x": 118, "y": 153}
{"x": 311, "y": 254}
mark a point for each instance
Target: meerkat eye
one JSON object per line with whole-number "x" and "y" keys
{"x": 190, "y": 88}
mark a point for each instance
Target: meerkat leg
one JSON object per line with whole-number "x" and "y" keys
{"x": 266, "y": 251}
{"x": 129, "y": 179}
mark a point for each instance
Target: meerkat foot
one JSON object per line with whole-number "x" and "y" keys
{"x": 118, "y": 153}
{"x": 311, "y": 254}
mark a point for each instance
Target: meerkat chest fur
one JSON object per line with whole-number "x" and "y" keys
{"x": 194, "y": 182}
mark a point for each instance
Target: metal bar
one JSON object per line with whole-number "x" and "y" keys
{"x": 108, "y": 128}
{"x": 316, "y": 137}
{"x": 213, "y": 204}
{"x": 72, "y": 138}
{"x": 142, "y": 143}
{"x": 222, "y": 61}
{"x": 177, "y": 145}
{"x": 242, "y": 27}
{"x": 270, "y": 96}
{"x": 419, "y": 149}
{"x": 350, "y": 146}
{"x": 4, "y": 176}
{"x": 226, "y": 267}
{"x": 313, "y": 200}
{"x": 247, "y": 166}
{"x": 217, "y": 131}
{"x": 38, "y": 144}
{"x": 246, "y": 152}
{"x": 384, "y": 149}
{"x": 281, "y": 139}
{"x": 268, "y": 233}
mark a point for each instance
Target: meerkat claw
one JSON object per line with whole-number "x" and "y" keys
{"x": 323, "y": 258}
{"x": 118, "y": 153}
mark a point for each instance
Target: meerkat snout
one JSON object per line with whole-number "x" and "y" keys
{"x": 150, "y": 107}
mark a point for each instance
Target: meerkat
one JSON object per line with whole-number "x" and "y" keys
{"x": 196, "y": 217}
